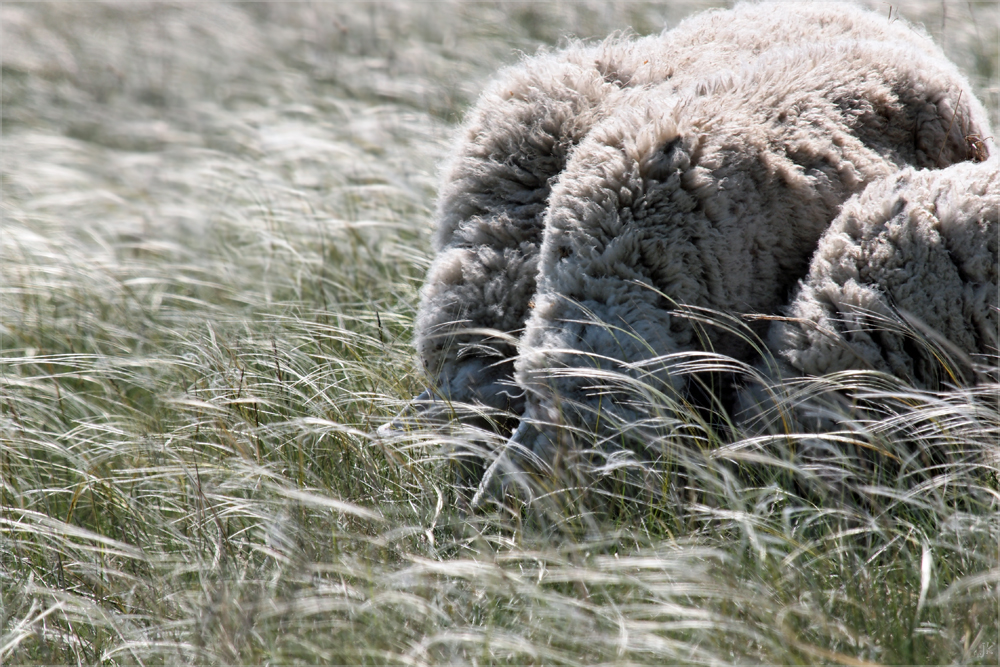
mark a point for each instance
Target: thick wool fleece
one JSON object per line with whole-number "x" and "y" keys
{"x": 921, "y": 244}
{"x": 490, "y": 222}
{"x": 517, "y": 140}
{"x": 716, "y": 196}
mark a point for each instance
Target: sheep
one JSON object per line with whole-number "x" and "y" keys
{"x": 715, "y": 195}
{"x": 915, "y": 251}
{"x": 594, "y": 189}
{"x": 516, "y": 142}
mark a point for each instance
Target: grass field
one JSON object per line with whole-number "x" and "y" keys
{"x": 216, "y": 220}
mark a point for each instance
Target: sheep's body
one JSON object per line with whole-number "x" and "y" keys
{"x": 921, "y": 244}
{"x": 516, "y": 143}
{"x": 698, "y": 167}
{"x": 715, "y": 197}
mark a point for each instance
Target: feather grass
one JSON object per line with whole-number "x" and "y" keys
{"x": 215, "y": 222}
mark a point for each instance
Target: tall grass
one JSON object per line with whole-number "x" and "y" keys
{"x": 215, "y": 222}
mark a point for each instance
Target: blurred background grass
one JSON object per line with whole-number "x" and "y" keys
{"x": 216, "y": 219}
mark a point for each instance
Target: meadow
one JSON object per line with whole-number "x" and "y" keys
{"x": 216, "y": 219}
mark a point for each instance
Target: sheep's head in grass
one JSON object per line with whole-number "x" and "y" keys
{"x": 601, "y": 195}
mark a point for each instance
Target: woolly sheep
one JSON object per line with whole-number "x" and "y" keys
{"x": 716, "y": 196}
{"x": 699, "y": 166}
{"x": 920, "y": 244}
{"x": 516, "y": 142}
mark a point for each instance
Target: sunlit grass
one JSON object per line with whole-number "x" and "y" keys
{"x": 216, "y": 219}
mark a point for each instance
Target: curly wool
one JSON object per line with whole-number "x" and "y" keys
{"x": 517, "y": 141}
{"x": 595, "y": 189}
{"x": 915, "y": 251}
{"x": 716, "y": 197}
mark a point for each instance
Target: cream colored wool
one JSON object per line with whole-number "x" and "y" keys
{"x": 715, "y": 196}
{"x": 697, "y": 167}
{"x": 918, "y": 248}
{"x": 516, "y": 141}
